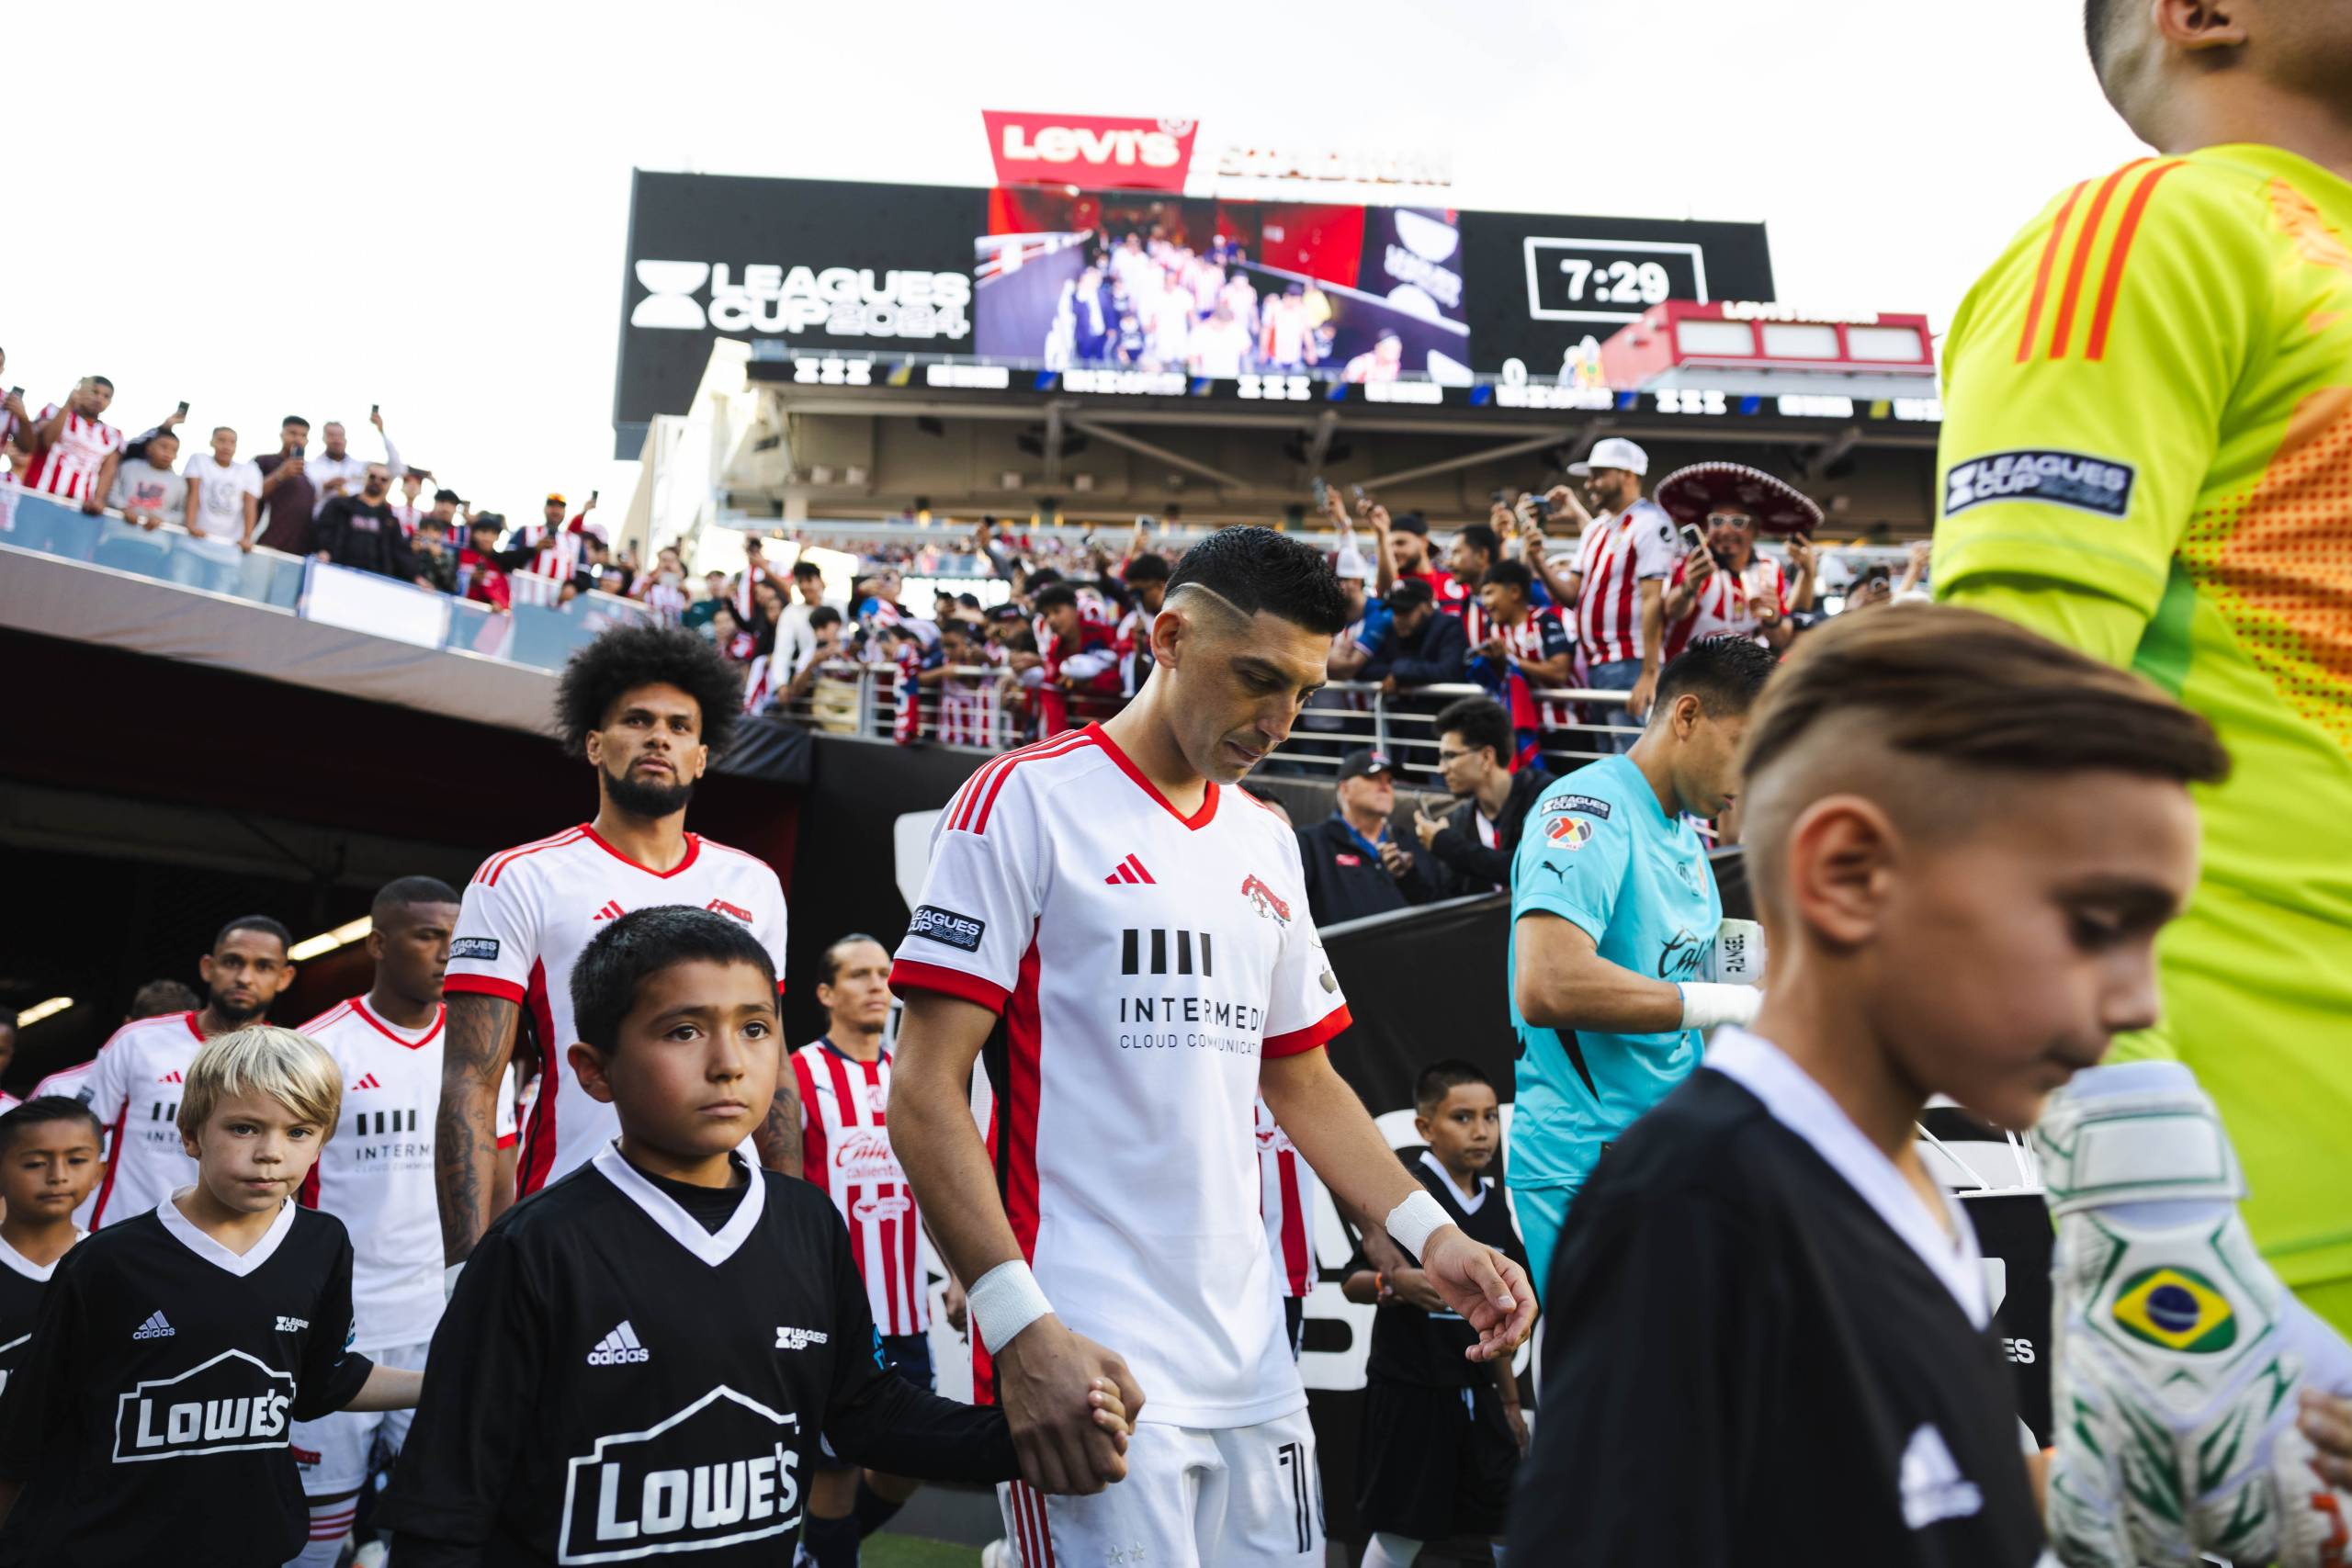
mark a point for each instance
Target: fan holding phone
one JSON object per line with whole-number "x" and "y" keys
{"x": 1724, "y": 586}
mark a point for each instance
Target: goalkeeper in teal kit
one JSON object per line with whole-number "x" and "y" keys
{"x": 1614, "y": 924}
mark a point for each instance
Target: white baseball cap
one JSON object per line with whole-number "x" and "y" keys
{"x": 1616, "y": 452}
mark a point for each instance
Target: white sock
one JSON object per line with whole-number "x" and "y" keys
{"x": 329, "y": 1528}
{"x": 1386, "y": 1549}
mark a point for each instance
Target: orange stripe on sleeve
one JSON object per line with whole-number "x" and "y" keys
{"x": 2117, "y": 253}
{"x": 2081, "y": 261}
{"x": 2041, "y": 272}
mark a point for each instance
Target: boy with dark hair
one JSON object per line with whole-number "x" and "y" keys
{"x": 1962, "y": 840}
{"x": 49, "y": 1163}
{"x": 139, "y": 1074}
{"x": 1441, "y": 1434}
{"x": 642, "y": 1359}
{"x": 148, "y": 1421}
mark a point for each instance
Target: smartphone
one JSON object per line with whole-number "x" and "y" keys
{"x": 1321, "y": 490}
{"x": 591, "y": 495}
{"x": 183, "y": 408}
{"x": 16, "y": 392}
{"x": 375, "y": 409}
{"x": 1499, "y": 497}
{"x": 1693, "y": 539}
{"x": 300, "y": 450}
{"x": 1358, "y": 492}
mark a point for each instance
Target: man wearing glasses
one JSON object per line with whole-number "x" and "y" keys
{"x": 1725, "y": 588}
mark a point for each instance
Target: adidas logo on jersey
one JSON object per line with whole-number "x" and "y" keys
{"x": 1933, "y": 1488}
{"x": 367, "y": 1080}
{"x": 174, "y": 1075}
{"x": 798, "y": 1338}
{"x": 154, "y": 1327}
{"x": 611, "y": 911}
{"x": 1130, "y": 870}
{"x": 618, "y": 1349}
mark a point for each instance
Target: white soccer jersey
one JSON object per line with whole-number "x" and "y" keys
{"x": 68, "y": 469}
{"x": 135, "y": 1089}
{"x": 529, "y": 913}
{"x": 376, "y": 1173}
{"x": 1618, "y": 551}
{"x": 845, "y": 1149}
{"x": 68, "y": 1082}
{"x": 1142, "y": 962}
{"x": 1286, "y": 1198}
{"x": 1727, "y": 604}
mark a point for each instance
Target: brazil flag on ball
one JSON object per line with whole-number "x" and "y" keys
{"x": 2177, "y": 1309}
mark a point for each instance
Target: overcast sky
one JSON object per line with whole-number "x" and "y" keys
{"x": 274, "y": 210}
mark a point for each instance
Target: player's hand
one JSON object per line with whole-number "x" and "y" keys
{"x": 1515, "y": 1418}
{"x": 954, "y": 1306}
{"x": 1487, "y": 1288}
{"x": 1043, "y": 1380}
{"x": 1637, "y": 701}
{"x": 1110, "y": 1412}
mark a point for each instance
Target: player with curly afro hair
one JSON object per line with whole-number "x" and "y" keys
{"x": 631, "y": 681}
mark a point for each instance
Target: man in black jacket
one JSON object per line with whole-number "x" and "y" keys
{"x": 1355, "y": 865}
{"x": 1474, "y": 843}
{"x": 1423, "y": 645}
{"x": 362, "y": 532}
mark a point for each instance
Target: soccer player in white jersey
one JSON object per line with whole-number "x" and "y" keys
{"x": 843, "y": 1078}
{"x": 375, "y": 1175}
{"x": 1127, "y": 938}
{"x": 647, "y": 707}
{"x": 154, "y": 996}
{"x": 134, "y": 1084}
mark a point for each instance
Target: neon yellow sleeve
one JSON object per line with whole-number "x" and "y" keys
{"x": 2087, "y": 376}
{"x": 2095, "y": 622}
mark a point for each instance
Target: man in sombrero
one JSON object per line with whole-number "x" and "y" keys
{"x": 1726, "y": 588}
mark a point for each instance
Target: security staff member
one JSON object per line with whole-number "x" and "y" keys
{"x": 1355, "y": 865}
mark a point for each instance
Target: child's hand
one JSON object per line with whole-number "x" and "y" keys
{"x": 1110, "y": 1412}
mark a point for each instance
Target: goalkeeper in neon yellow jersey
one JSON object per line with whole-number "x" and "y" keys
{"x": 2147, "y": 453}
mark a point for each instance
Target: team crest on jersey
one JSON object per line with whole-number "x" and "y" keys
{"x": 233, "y": 1400}
{"x": 2178, "y": 1309}
{"x": 721, "y": 906}
{"x": 1269, "y": 905}
{"x": 722, "y": 1470}
{"x": 1569, "y": 832}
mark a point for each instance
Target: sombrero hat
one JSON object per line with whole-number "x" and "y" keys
{"x": 1779, "y": 507}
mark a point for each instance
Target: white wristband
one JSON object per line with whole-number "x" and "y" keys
{"x": 1706, "y": 1003}
{"x": 1412, "y": 1221}
{"x": 1003, "y": 1301}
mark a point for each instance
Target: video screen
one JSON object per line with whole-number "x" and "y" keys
{"x": 1138, "y": 281}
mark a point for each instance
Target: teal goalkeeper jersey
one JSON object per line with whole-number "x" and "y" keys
{"x": 1601, "y": 852}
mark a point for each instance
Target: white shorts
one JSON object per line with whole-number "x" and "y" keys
{"x": 337, "y": 1453}
{"x": 1194, "y": 1498}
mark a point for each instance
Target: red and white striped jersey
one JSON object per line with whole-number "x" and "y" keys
{"x": 528, "y": 914}
{"x": 68, "y": 1082}
{"x": 540, "y": 580}
{"x": 1727, "y": 603}
{"x": 1620, "y": 550}
{"x": 1543, "y": 634}
{"x": 845, "y": 1149}
{"x": 1134, "y": 1013}
{"x": 135, "y": 1089}
{"x": 1286, "y": 1200}
{"x": 666, "y": 599}
{"x": 69, "y": 469}
{"x": 376, "y": 1173}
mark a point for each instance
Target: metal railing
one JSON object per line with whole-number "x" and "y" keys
{"x": 983, "y": 708}
{"x": 539, "y": 636}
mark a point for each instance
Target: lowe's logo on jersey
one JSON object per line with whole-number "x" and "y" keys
{"x": 2062, "y": 479}
{"x": 948, "y": 927}
{"x": 233, "y": 1400}
{"x": 719, "y": 1472}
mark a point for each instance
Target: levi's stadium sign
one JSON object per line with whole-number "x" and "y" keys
{"x": 1097, "y": 151}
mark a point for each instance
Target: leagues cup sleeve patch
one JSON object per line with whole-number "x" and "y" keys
{"x": 1583, "y": 803}
{"x": 483, "y": 948}
{"x": 947, "y": 926}
{"x": 2062, "y": 479}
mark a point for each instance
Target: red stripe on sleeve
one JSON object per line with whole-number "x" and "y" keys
{"x": 2041, "y": 272}
{"x": 2117, "y": 254}
{"x": 912, "y": 973}
{"x": 1306, "y": 1039}
{"x": 2080, "y": 263}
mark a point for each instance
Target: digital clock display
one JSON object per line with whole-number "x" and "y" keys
{"x": 1571, "y": 279}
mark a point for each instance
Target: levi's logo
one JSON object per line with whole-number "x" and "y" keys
{"x": 720, "y": 906}
{"x": 947, "y": 926}
{"x": 1054, "y": 149}
{"x": 483, "y": 948}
